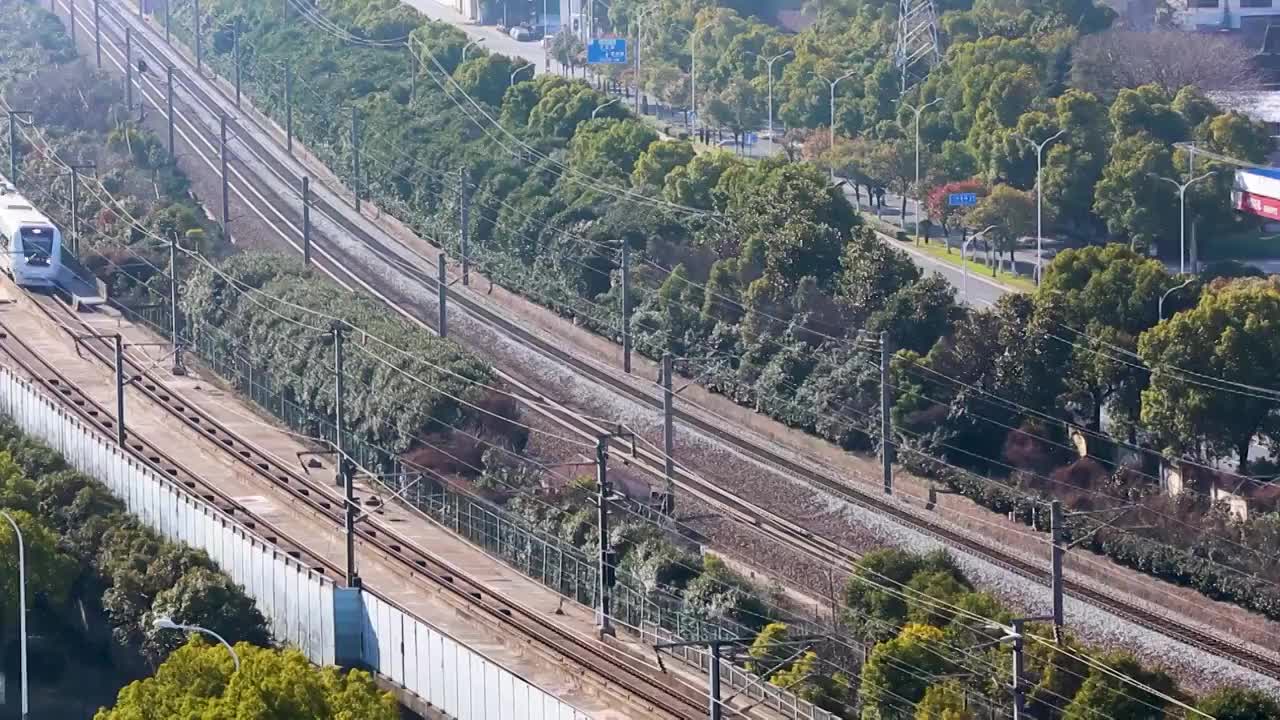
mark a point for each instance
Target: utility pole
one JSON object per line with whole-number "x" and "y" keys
{"x": 288, "y": 108}
{"x": 166, "y": 22}
{"x": 97, "y": 32}
{"x": 606, "y": 573}
{"x": 355, "y": 153}
{"x": 604, "y": 491}
{"x": 235, "y": 54}
{"x": 626, "y": 308}
{"x": 174, "y": 324}
{"x": 226, "y": 197}
{"x": 306, "y": 220}
{"x": 413, "y": 76}
{"x": 71, "y": 8}
{"x": 1056, "y": 533}
{"x": 668, "y": 439}
{"x": 119, "y": 348}
{"x": 344, "y": 467}
{"x": 886, "y": 420}
{"x": 464, "y": 220}
{"x": 168, "y": 106}
{"x": 75, "y": 202}
{"x": 13, "y": 143}
{"x": 199, "y": 43}
{"x": 715, "y": 647}
{"x": 1019, "y": 696}
{"x": 128, "y": 67}
{"x": 442, "y": 287}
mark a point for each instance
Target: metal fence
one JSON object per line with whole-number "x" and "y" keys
{"x": 297, "y": 602}
{"x": 541, "y": 556}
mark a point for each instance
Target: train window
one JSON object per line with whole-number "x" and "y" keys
{"x": 37, "y": 243}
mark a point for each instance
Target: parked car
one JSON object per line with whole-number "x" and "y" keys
{"x": 524, "y": 33}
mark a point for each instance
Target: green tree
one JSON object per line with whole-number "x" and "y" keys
{"x": 1234, "y": 332}
{"x": 769, "y": 650}
{"x": 1011, "y": 211}
{"x": 209, "y": 599}
{"x": 607, "y": 149}
{"x": 657, "y": 162}
{"x": 49, "y": 572}
{"x": 871, "y": 271}
{"x": 1130, "y": 199}
{"x": 1235, "y": 135}
{"x": 695, "y": 184}
{"x": 1105, "y": 695}
{"x": 198, "y": 681}
{"x": 944, "y": 701}
{"x": 898, "y": 671}
{"x": 1111, "y": 295}
{"x": 1233, "y": 703}
{"x": 487, "y": 77}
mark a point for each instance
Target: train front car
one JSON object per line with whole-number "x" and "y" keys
{"x": 31, "y": 244}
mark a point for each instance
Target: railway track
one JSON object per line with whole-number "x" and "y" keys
{"x": 616, "y": 669}
{"x": 275, "y": 169}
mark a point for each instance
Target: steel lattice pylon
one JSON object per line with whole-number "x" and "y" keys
{"x": 917, "y": 48}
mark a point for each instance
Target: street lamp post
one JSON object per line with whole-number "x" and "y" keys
{"x": 604, "y": 105}
{"x": 693, "y": 68}
{"x": 964, "y": 259}
{"x": 917, "y": 111}
{"x": 1039, "y": 147}
{"x": 517, "y": 71}
{"x": 769, "y": 61}
{"x": 477, "y": 41}
{"x": 1182, "y": 214}
{"x": 165, "y": 623}
{"x": 832, "y": 133}
{"x": 640, "y": 18}
{"x": 1167, "y": 293}
{"x": 22, "y": 611}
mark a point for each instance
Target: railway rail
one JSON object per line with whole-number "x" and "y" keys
{"x": 273, "y": 167}
{"x": 615, "y": 668}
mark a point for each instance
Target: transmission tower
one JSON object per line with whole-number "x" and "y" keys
{"x": 917, "y": 48}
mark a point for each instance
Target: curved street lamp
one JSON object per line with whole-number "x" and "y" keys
{"x": 167, "y": 623}
{"x": 833, "y": 83}
{"x": 964, "y": 260}
{"x": 22, "y": 610}
{"x": 604, "y": 105}
{"x": 1039, "y": 148}
{"x": 1167, "y": 293}
{"x": 769, "y": 61}
{"x": 517, "y": 71}
{"x": 477, "y": 41}
{"x": 917, "y": 111}
{"x": 1182, "y": 216}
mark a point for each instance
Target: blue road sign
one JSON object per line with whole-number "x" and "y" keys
{"x": 962, "y": 199}
{"x": 607, "y": 51}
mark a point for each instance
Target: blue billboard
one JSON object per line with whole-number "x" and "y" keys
{"x": 607, "y": 51}
{"x": 962, "y": 199}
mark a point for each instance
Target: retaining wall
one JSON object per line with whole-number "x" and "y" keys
{"x": 305, "y": 609}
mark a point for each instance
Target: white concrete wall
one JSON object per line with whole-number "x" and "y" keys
{"x": 298, "y": 603}
{"x": 459, "y": 681}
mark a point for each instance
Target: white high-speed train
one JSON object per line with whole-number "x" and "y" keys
{"x": 30, "y": 244}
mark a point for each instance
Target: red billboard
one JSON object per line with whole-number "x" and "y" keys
{"x": 1260, "y": 205}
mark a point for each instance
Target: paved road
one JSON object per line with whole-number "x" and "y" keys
{"x": 982, "y": 290}
{"x": 494, "y": 41}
